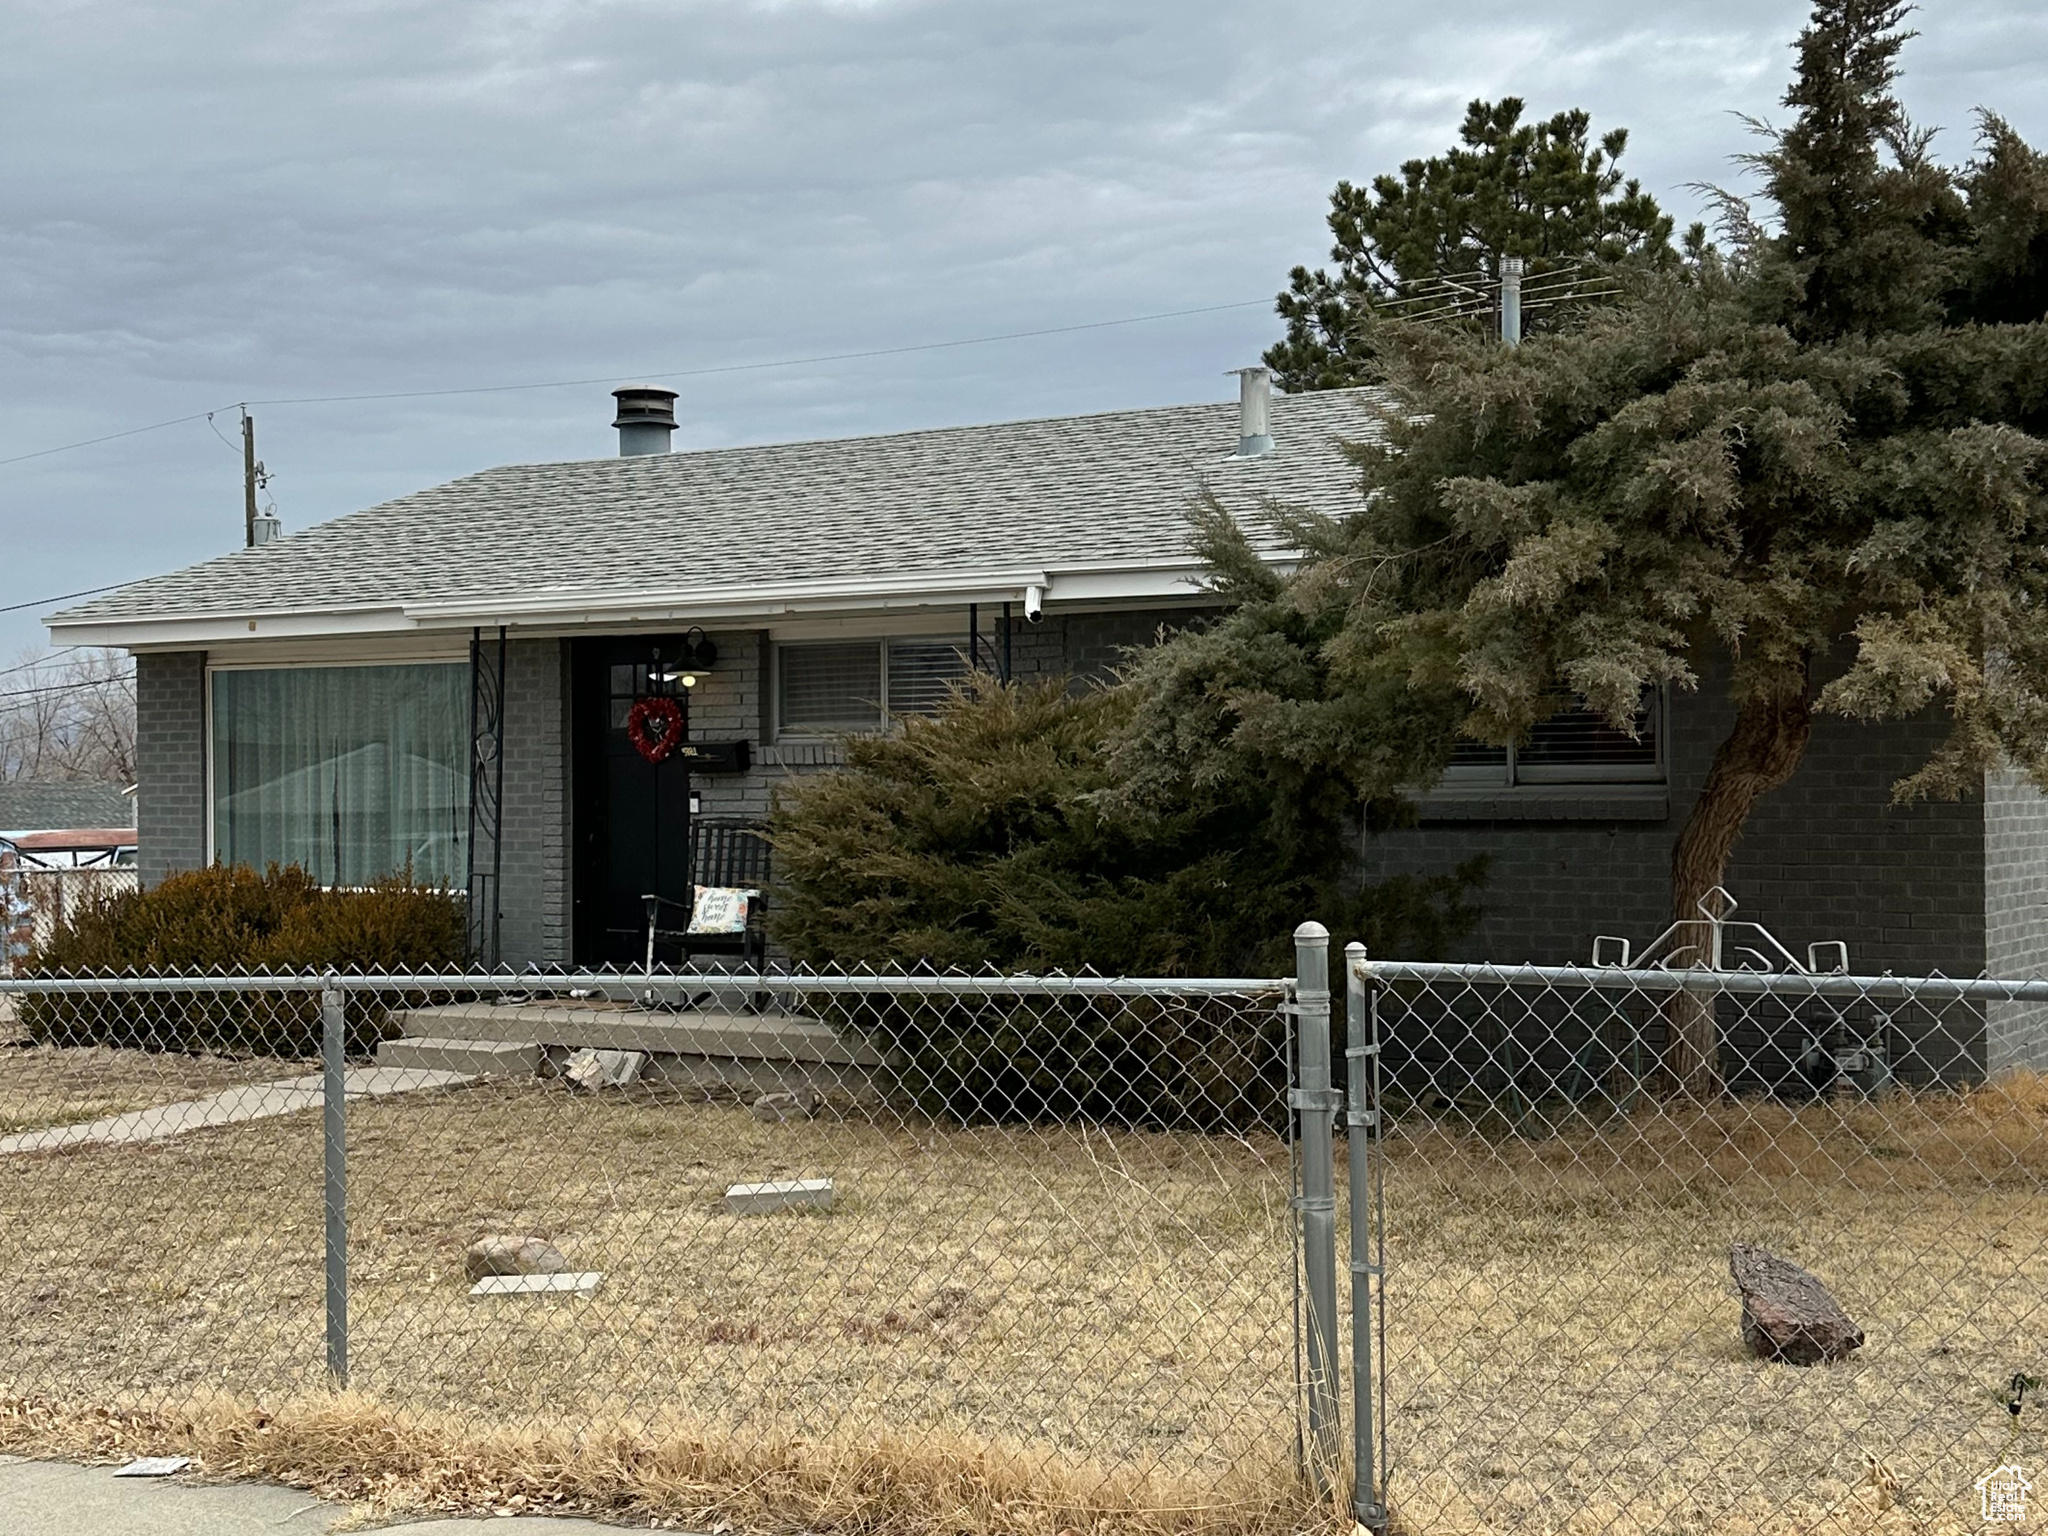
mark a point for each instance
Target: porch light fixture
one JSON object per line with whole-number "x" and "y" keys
{"x": 698, "y": 657}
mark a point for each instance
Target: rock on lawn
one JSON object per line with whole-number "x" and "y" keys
{"x": 1787, "y": 1314}
{"x": 513, "y": 1256}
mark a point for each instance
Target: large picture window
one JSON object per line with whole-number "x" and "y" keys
{"x": 352, "y": 773}
{"x": 844, "y": 686}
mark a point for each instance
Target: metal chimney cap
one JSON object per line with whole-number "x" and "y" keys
{"x": 647, "y": 417}
{"x": 645, "y": 404}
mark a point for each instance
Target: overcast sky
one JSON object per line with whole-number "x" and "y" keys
{"x": 202, "y": 203}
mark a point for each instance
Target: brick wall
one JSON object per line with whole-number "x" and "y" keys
{"x": 1825, "y": 857}
{"x": 170, "y": 763}
{"x": 2015, "y": 915}
{"x": 534, "y": 910}
{"x": 1087, "y": 646}
{"x": 730, "y": 702}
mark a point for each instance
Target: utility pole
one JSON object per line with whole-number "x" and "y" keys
{"x": 249, "y": 471}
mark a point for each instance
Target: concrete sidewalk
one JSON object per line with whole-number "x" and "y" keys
{"x": 254, "y": 1101}
{"x": 54, "y": 1498}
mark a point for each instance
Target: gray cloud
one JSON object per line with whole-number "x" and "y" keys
{"x": 210, "y": 202}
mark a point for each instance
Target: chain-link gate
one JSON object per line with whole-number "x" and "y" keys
{"x": 1591, "y": 1318}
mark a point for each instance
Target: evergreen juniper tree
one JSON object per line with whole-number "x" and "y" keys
{"x": 1814, "y": 467}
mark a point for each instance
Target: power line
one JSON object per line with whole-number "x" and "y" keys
{"x": 90, "y": 682}
{"x": 155, "y": 426}
{"x": 786, "y": 362}
{"x": 89, "y": 591}
{"x": 41, "y": 661}
{"x": 682, "y": 373}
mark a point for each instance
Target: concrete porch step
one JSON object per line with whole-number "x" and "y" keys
{"x": 704, "y": 1032}
{"x": 477, "y": 1058}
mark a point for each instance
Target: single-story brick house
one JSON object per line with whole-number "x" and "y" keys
{"x": 333, "y": 697}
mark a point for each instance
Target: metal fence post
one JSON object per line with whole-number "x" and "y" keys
{"x": 1317, "y": 1101}
{"x": 334, "y": 1126}
{"x": 1362, "y": 1134}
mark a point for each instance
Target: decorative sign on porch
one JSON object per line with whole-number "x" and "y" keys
{"x": 655, "y": 727}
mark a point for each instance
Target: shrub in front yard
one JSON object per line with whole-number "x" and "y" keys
{"x": 229, "y": 919}
{"x": 992, "y": 837}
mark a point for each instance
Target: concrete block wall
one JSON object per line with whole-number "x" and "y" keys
{"x": 534, "y": 831}
{"x": 170, "y": 763}
{"x": 2015, "y": 915}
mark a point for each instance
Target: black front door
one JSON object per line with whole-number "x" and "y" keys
{"x": 631, "y": 817}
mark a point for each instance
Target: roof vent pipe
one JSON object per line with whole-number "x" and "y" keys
{"x": 647, "y": 416}
{"x": 1511, "y": 300}
{"x": 1254, "y": 412}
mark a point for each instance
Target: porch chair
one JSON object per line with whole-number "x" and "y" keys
{"x": 724, "y": 852}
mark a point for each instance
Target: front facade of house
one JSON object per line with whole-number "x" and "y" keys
{"x": 448, "y": 682}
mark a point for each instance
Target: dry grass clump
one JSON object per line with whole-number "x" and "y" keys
{"x": 47, "y": 1085}
{"x": 672, "y": 1472}
{"x": 1991, "y": 1135}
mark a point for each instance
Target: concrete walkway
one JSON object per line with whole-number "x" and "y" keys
{"x": 53, "y": 1498}
{"x": 254, "y": 1101}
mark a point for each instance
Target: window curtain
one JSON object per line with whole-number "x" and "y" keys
{"x": 352, "y": 773}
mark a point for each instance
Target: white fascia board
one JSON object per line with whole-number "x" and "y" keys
{"x": 1072, "y": 587}
{"x": 836, "y": 594}
{"x": 184, "y": 633}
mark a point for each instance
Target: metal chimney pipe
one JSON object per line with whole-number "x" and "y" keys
{"x": 1254, "y": 412}
{"x": 647, "y": 417}
{"x": 1511, "y": 300}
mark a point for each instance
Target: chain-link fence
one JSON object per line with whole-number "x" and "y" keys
{"x": 1568, "y": 1245}
{"x": 1085, "y": 1238}
{"x": 36, "y": 901}
{"x": 1038, "y": 1227}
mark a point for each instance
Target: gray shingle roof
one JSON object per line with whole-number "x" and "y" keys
{"x": 37, "y": 806}
{"x": 1067, "y": 492}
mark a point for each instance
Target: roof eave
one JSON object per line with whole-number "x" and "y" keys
{"x": 1097, "y": 583}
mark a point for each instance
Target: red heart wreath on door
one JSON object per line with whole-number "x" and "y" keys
{"x": 655, "y": 727}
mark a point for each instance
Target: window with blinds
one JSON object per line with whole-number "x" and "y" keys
{"x": 844, "y": 686}
{"x": 828, "y": 690}
{"x": 1574, "y": 746}
{"x": 921, "y": 674}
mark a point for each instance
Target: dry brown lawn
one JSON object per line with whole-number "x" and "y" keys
{"x": 1565, "y": 1343}
{"x": 1031, "y": 1329}
{"x": 1113, "y": 1309}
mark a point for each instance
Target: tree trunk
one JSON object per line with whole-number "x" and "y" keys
{"x": 1760, "y": 753}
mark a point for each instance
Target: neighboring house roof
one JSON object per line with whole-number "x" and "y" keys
{"x": 78, "y": 840}
{"x": 1089, "y": 508}
{"x": 62, "y": 806}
